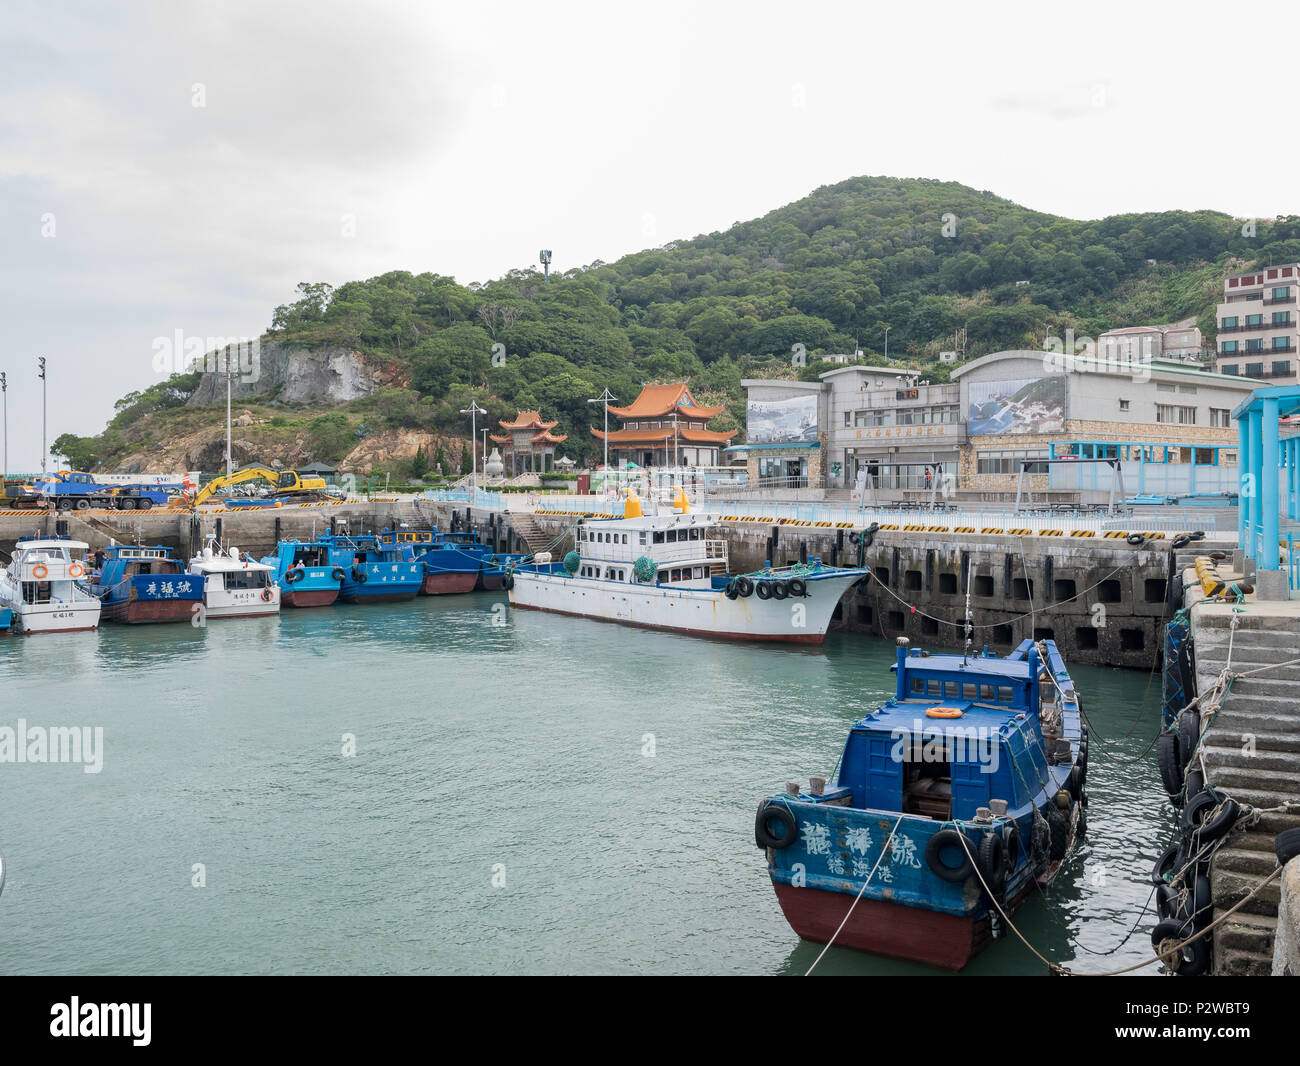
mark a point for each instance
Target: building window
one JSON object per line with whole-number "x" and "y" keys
{"x": 1229, "y": 369}
{"x": 1281, "y": 318}
{"x": 1162, "y": 387}
{"x": 1281, "y": 342}
{"x": 1220, "y": 417}
{"x": 848, "y": 418}
{"x": 1253, "y": 370}
{"x": 1281, "y": 293}
{"x": 1229, "y": 346}
{"x": 1177, "y": 416}
{"x": 1281, "y": 368}
{"x": 1123, "y": 405}
{"x": 1229, "y": 323}
{"x": 1254, "y": 320}
{"x": 1187, "y": 388}
{"x": 1008, "y": 462}
{"x": 1255, "y": 345}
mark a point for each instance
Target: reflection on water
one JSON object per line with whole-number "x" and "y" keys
{"x": 608, "y": 775}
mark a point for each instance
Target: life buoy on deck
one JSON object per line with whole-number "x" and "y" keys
{"x": 39, "y": 571}
{"x": 944, "y": 712}
{"x": 267, "y": 595}
{"x": 76, "y": 570}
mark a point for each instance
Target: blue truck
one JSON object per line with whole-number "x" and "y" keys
{"x": 76, "y": 490}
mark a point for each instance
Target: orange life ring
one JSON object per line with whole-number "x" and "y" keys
{"x": 943, "y": 712}
{"x": 39, "y": 571}
{"x": 76, "y": 570}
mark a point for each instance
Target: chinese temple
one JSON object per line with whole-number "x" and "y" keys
{"x": 664, "y": 426}
{"x": 528, "y": 445}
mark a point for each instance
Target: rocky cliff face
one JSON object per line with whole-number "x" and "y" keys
{"x": 294, "y": 376}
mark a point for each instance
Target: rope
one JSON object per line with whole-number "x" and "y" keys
{"x": 1171, "y": 948}
{"x": 887, "y": 846}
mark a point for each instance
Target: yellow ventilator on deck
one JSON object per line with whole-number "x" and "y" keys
{"x": 680, "y": 503}
{"x": 632, "y": 506}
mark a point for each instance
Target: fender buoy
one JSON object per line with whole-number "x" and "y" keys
{"x": 1189, "y": 961}
{"x": 944, "y": 841}
{"x": 764, "y": 589}
{"x": 1213, "y": 826}
{"x": 1011, "y": 839}
{"x": 774, "y": 826}
{"x": 1189, "y": 734}
{"x": 993, "y": 863}
{"x": 1171, "y": 766}
{"x": 1135, "y": 539}
{"x": 798, "y": 587}
{"x": 1166, "y": 864}
{"x": 745, "y": 586}
{"x": 76, "y": 570}
{"x": 780, "y": 590}
{"x": 730, "y": 591}
{"x": 339, "y": 573}
{"x": 508, "y": 581}
{"x": 39, "y": 571}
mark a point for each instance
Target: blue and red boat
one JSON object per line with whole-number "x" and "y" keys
{"x": 144, "y": 584}
{"x": 451, "y": 566}
{"x": 954, "y": 801}
{"x": 373, "y": 573}
{"x": 306, "y": 573}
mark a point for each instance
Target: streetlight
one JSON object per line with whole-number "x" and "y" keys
{"x": 606, "y": 398}
{"x": 43, "y": 408}
{"x": 886, "y": 344}
{"x": 4, "y": 389}
{"x": 230, "y": 463}
{"x": 473, "y": 410}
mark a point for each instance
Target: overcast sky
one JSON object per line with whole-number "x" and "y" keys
{"x": 183, "y": 165}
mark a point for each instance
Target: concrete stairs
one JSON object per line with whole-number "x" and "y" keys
{"x": 1251, "y": 750}
{"x": 537, "y": 539}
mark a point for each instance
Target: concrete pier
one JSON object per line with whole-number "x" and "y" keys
{"x": 1251, "y": 751}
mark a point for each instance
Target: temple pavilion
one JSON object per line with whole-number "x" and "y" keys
{"x": 528, "y": 445}
{"x": 664, "y": 426}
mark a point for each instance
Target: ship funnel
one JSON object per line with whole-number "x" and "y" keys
{"x": 901, "y": 681}
{"x": 680, "y": 502}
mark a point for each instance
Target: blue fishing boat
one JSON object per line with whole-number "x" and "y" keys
{"x": 373, "y": 573}
{"x": 306, "y": 573}
{"x": 144, "y": 584}
{"x": 6, "y": 620}
{"x": 954, "y": 801}
{"x": 451, "y": 563}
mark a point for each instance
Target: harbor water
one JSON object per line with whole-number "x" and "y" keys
{"x": 445, "y": 786}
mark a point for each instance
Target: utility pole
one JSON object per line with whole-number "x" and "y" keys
{"x": 230, "y": 464}
{"x": 886, "y": 344}
{"x": 473, "y": 410}
{"x": 544, "y": 257}
{"x": 606, "y": 398}
{"x": 4, "y": 389}
{"x": 43, "y": 410}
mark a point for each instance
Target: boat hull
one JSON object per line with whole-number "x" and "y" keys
{"x": 945, "y": 941}
{"x": 61, "y": 618}
{"x": 292, "y": 597}
{"x": 139, "y": 612}
{"x": 449, "y": 583}
{"x": 396, "y": 595}
{"x": 694, "y": 612}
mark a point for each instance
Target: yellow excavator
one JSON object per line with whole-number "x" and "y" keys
{"x": 288, "y": 485}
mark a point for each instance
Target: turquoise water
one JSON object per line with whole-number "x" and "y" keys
{"x": 604, "y": 778}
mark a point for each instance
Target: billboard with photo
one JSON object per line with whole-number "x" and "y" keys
{"x": 782, "y": 420}
{"x": 1022, "y": 406}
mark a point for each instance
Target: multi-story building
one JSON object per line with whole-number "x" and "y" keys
{"x": 664, "y": 426}
{"x": 1259, "y": 324}
{"x": 1001, "y": 414}
{"x": 1178, "y": 340}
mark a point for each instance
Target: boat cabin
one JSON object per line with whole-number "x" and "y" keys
{"x": 128, "y": 562}
{"x": 679, "y": 546}
{"x": 959, "y": 732}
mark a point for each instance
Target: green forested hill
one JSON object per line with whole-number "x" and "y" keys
{"x": 923, "y": 258}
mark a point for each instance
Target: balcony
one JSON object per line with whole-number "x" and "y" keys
{"x": 1283, "y": 300}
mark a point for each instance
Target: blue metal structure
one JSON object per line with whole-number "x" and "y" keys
{"x": 1263, "y": 453}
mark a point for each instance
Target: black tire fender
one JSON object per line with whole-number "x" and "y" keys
{"x": 1218, "y": 824}
{"x": 764, "y": 837}
{"x": 993, "y": 863}
{"x": 1170, "y": 763}
{"x": 1166, "y": 864}
{"x": 798, "y": 587}
{"x": 359, "y": 575}
{"x": 339, "y": 573}
{"x": 1191, "y": 961}
{"x": 764, "y": 589}
{"x": 1286, "y": 845}
{"x": 1189, "y": 734}
{"x": 949, "y": 838}
{"x": 745, "y": 586}
{"x": 507, "y": 581}
{"x": 1060, "y": 832}
{"x": 780, "y": 590}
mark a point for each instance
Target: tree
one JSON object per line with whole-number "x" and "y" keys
{"x": 466, "y": 463}
{"x": 419, "y": 464}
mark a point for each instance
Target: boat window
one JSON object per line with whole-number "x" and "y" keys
{"x": 1004, "y": 693}
{"x": 659, "y": 536}
{"x": 918, "y": 684}
{"x": 642, "y": 538}
{"x": 987, "y": 692}
{"x": 934, "y": 687}
{"x": 695, "y": 533}
{"x": 663, "y": 575}
{"x": 246, "y": 579}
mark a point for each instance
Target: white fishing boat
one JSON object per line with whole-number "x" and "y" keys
{"x": 670, "y": 571}
{"x": 236, "y": 585}
{"x": 40, "y": 586}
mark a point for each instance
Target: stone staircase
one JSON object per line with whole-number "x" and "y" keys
{"x": 1252, "y": 752}
{"x": 537, "y": 539}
